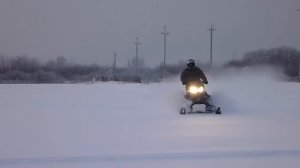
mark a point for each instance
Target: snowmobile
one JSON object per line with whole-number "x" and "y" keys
{"x": 196, "y": 94}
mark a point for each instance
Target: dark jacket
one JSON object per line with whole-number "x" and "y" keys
{"x": 192, "y": 75}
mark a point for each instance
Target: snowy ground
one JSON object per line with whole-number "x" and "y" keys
{"x": 138, "y": 125}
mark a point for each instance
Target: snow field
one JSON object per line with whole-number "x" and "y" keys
{"x": 138, "y": 125}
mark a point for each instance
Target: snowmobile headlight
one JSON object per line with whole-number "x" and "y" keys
{"x": 195, "y": 90}
{"x": 200, "y": 89}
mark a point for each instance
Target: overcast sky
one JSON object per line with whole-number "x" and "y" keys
{"x": 88, "y": 31}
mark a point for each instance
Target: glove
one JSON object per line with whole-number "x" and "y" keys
{"x": 205, "y": 82}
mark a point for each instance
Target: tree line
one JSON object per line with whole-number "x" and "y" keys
{"x": 24, "y": 69}
{"x": 286, "y": 58}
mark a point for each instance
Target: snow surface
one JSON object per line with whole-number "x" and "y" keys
{"x": 138, "y": 125}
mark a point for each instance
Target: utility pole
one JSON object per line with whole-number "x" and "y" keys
{"x": 298, "y": 10}
{"x": 115, "y": 61}
{"x": 211, "y": 29}
{"x": 165, "y": 33}
{"x": 298, "y": 69}
{"x": 137, "y": 43}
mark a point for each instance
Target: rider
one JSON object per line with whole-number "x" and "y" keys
{"x": 192, "y": 73}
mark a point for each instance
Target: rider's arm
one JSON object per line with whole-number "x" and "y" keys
{"x": 183, "y": 78}
{"x": 202, "y": 76}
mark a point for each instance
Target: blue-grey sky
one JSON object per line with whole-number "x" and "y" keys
{"x": 88, "y": 31}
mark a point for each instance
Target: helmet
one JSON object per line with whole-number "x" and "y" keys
{"x": 190, "y": 63}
